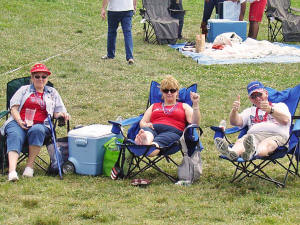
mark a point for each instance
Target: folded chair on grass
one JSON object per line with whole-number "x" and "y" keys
{"x": 159, "y": 26}
{"x": 139, "y": 160}
{"x": 283, "y": 23}
{"x": 11, "y": 87}
{"x": 286, "y": 157}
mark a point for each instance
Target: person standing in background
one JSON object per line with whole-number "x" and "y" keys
{"x": 119, "y": 11}
{"x": 209, "y": 6}
{"x": 256, "y": 12}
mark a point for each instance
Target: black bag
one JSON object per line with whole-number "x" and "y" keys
{"x": 63, "y": 154}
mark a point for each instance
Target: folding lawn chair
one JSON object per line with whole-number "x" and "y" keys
{"x": 11, "y": 88}
{"x": 138, "y": 154}
{"x": 159, "y": 25}
{"x": 258, "y": 166}
{"x": 283, "y": 23}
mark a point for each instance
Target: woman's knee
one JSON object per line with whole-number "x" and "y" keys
{"x": 36, "y": 135}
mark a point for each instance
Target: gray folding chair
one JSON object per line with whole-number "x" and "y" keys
{"x": 159, "y": 26}
{"x": 283, "y": 23}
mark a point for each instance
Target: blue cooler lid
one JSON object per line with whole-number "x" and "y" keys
{"x": 91, "y": 131}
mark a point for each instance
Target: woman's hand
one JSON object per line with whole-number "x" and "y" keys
{"x": 148, "y": 125}
{"x": 22, "y": 124}
{"x": 195, "y": 98}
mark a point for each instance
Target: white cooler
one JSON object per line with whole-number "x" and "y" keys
{"x": 86, "y": 149}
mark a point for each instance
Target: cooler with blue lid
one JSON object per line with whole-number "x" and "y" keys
{"x": 220, "y": 26}
{"x": 86, "y": 149}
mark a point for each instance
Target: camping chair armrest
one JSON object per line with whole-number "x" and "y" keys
{"x": 295, "y": 9}
{"x": 219, "y": 132}
{"x": 116, "y": 125}
{"x": 296, "y": 128}
{"x": 193, "y": 127}
{"x": 3, "y": 113}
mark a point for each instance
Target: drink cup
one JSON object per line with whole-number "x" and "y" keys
{"x": 29, "y": 115}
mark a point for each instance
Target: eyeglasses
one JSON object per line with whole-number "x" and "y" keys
{"x": 166, "y": 91}
{"x": 38, "y": 77}
{"x": 255, "y": 95}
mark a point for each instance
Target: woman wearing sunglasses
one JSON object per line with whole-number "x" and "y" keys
{"x": 163, "y": 123}
{"x": 268, "y": 125}
{"x": 36, "y": 101}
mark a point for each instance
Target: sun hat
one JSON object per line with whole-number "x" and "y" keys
{"x": 40, "y": 68}
{"x": 255, "y": 86}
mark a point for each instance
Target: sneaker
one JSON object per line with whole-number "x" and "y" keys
{"x": 222, "y": 146}
{"x": 130, "y": 61}
{"x": 13, "y": 176}
{"x": 28, "y": 172}
{"x": 249, "y": 148}
{"x": 105, "y": 57}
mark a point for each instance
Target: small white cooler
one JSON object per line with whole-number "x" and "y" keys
{"x": 86, "y": 149}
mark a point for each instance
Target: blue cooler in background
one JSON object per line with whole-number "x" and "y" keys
{"x": 220, "y": 26}
{"x": 86, "y": 149}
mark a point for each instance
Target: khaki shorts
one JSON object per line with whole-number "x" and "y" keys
{"x": 261, "y": 136}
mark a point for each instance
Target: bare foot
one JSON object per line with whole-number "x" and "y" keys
{"x": 141, "y": 138}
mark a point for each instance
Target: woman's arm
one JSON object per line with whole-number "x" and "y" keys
{"x": 145, "y": 121}
{"x": 193, "y": 113}
{"x": 16, "y": 115}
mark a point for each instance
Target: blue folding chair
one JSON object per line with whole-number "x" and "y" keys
{"x": 139, "y": 160}
{"x": 257, "y": 166}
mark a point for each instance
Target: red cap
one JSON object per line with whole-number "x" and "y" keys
{"x": 40, "y": 68}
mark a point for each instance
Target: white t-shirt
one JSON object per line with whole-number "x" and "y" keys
{"x": 120, "y": 5}
{"x": 270, "y": 125}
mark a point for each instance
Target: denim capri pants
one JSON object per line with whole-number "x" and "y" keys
{"x": 16, "y": 135}
{"x": 164, "y": 135}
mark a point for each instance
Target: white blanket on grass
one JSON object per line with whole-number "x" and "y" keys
{"x": 250, "y": 49}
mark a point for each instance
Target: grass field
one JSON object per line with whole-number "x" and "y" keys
{"x": 70, "y": 38}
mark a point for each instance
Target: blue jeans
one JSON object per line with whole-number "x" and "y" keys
{"x": 16, "y": 135}
{"x": 113, "y": 19}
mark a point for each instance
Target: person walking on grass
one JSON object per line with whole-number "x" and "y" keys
{"x": 119, "y": 11}
{"x": 268, "y": 125}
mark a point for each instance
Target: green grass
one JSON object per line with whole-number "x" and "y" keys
{"x": 95, "y": 91}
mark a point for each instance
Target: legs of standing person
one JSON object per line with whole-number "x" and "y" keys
{"x": 207, "y": 11}
{"x": 255, "y": 16}
{"x": 243, "y": 10}
{"x": 126, "y": 23}
{"x": 113, "y": 19}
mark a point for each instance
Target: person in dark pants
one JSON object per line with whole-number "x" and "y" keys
{"x": 209, "y": 6}
{"x": 177, "y": 12}
{"x": 119, "y": 11}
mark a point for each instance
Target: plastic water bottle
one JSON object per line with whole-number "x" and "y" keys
{"x": 222, "y": 125}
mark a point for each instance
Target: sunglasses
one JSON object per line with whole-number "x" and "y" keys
{"x": 166, "y": 91}
{"x": 38, "y": 77}
{"x": 255, "y": 95}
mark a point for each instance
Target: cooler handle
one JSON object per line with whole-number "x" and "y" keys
{"x": 81, "y": 141}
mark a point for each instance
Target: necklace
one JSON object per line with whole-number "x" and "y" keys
{"x": 257, "y": 119}
{"x": 169, "y": 111}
